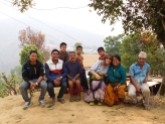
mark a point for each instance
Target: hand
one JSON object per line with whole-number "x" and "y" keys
{"x": 116, "y": 87}
{"x": 138, "y": 89}
{"x": 98, "y": 77}
{"x": 59, "y": 78}
{"x": 32, "y": 85}
{"x": 57, "y": 82}
{"x": 74, "y": 80}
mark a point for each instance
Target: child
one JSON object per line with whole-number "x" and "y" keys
{"x": 63, "y": 53}
{"x": 84, "y": 83}
{"x": 101, "y": 53}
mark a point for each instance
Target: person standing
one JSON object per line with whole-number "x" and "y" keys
{"x": 83, "y": 78}
{"x": 32, "y": 73}
{"x": 63, "y": 55}
{"x": 101, "y": 53}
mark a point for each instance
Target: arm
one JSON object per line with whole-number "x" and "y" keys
{"x": 94, "y": 68}
{"x": 47, "y": 71}
{"x": 41, "y": 74}
{"x": 79, "y": 67}
{"x": 132, "y": 80}
{"x": 25, "y": 74}
{"x": 123, "y": 76}
{"x": 147, "y": 75}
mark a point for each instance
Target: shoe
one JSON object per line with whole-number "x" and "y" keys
{"x": 77, "y": 98}
{"x": 42, "y": 103}
{"x": 99, "y": 104}
{"x": 71, "y": 99}
{"x": 52, "y": 103}
{"x": 61, "y": 100}
{"x": 91, "y": 103}
{"x": 27, "y": 105}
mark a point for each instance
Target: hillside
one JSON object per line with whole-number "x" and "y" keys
{"x": 75, "y": 113}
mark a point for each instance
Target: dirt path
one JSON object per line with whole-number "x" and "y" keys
{"x": 11, "y": 112}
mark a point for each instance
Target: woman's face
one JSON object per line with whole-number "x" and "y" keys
{"x": 107, "y": 61}
{"x": 116, "y": 62}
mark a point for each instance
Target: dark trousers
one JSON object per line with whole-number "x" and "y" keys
{"x": 84, "y": 82}
{"x": 50, "y": 88}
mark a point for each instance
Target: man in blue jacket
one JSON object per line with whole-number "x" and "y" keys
{"x": 55, "y": 76}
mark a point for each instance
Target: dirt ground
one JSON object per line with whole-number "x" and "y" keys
{"x": 11, "y": 112}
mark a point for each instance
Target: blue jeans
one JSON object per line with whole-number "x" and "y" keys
{"x": 25, "y": 86}
{"x": 50, "y": 88}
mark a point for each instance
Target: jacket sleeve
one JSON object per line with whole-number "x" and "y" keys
{"x": 64, "y": 71}
{"x": 41, "y": 72}
{"x": 25, "y": 73}
{"x": 47, "y": 72}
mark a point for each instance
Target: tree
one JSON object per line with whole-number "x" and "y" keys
{"x": 77, "y": 44}
{"x": 146, "y": 41}
{"x": 30, "y": 37}
{"x": 9, "y": 85}
{"x": 112, "y": 44}
{"x": 23, "y": 5}
{"x": 24, "y": 54}
{"x": 136, "y": 15}
{"x": 130, "y": 47}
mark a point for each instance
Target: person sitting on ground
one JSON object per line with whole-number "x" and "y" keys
{"x": 73, "y": 70}
{"x": 63, "y": 53}
{"x": 101, "y": 53}
{"x": 55, "y": 76}
{"x": 97, "y": 85}
{"x": 116, "y": 78}
{"x": 32, "y": 73}
{"x": 139, "y": 73}
{"x": 83, "y": 78}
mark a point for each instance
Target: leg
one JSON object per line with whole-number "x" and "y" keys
{"x": 71, "y": 85}
{"x": 78, "y": 84}
{"x": 84, "y": 82}
{"x": 24, "y": 87}
{"x": 62, "y": 89}
{"x": 132, "y": 93}
{"x": 121, "y": 92}
{"x": 43, "y": 87}
{"x": 50, "y": 88}
{"x": 146, "y": 94}
{"x": 109, "y": 96}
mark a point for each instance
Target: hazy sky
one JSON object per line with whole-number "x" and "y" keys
{"x": 68, "y": 25}
{"x": 78, "y": 18}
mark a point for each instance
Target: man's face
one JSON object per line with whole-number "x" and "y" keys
{"x": 33, "y": 57}
{"x": 72, "y": 56}
{"x": 63, "y": 48}
{"x": 55, "y": 55}
{"x": 141, "y": 60}
{"x": 101, "y": 52}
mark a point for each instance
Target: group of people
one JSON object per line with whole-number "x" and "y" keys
{"x": 106, "y": 84}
